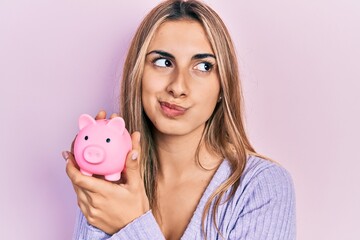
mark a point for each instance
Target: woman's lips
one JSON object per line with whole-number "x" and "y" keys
{"x": 172, "y": 110}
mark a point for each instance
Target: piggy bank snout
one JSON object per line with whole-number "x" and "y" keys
{"x": 94, "y": 154}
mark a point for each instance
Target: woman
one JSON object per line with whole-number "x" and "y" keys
{"x": 194, "y": 174}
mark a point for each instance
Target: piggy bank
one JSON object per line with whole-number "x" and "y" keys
{"x": 101, "y": 146}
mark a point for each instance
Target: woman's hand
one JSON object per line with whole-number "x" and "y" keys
{"x": 106, "y": 205}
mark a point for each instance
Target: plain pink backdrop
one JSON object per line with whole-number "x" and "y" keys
{"x": 299, "y": 62}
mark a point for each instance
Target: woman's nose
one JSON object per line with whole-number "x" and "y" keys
{"x": 178, "y": 85}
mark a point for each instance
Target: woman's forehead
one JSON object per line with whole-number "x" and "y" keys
{"x": 179, "y": 36}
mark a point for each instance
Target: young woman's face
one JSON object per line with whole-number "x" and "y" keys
{"x": 180, "y": 85}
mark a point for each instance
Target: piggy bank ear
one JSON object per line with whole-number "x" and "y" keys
{"x": 85, "y": 120}
{"x": 118, "y": 123}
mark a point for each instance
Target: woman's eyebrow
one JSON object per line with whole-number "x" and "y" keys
{"x": 161, "y": 53}
{"x": 203, "y": 55}
{"x": 169, "y": 55}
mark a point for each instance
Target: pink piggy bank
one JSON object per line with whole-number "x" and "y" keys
{"x": 101, "y": 146}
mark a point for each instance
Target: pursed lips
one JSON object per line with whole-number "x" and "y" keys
{"x": 172, "y": 110}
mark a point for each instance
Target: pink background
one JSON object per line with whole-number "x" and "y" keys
{"x": 300, "y": 69}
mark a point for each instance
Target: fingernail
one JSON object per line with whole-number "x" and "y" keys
{"x": 65, "y": 155}
{"x": 134, "y": 156}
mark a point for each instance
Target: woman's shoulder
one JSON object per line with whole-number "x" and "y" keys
{"x": 261, "y": 169}
{"x": 261, "y": 178}
{"x": 257, "y": 171}
{"x": 265, "y": 179}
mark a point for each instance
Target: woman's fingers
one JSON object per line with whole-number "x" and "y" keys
{"x": 84, "y": 186}
{"x": 114, "y": 115}
{"x": 71, "y": 170}
{"x": 87, "y": 183}
{"x": 101, "y": 115}
{"x": 132, "y": 167}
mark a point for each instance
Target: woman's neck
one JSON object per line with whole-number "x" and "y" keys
{"x": 177, "y": 155}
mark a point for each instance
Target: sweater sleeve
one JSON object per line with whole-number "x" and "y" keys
{"x": 84, "y": 231}
{"x": 144, "y": 227}
{"x": 268, "y": 211}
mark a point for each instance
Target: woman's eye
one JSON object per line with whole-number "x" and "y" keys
{"x": 162, "y": 62}
{"x": 204, "y": 66}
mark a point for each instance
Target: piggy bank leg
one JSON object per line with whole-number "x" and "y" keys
{"x": 86, "y": 173}
{"x": 113, "y": 177}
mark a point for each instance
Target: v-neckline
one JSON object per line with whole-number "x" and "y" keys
{"x": 220, "y": 175}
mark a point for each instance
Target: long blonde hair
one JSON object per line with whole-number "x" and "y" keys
{"x": 224, "y": 131}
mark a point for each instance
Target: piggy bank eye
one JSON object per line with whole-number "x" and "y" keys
{"x": 108, "y": 140}
{"x": 86, "y": 137}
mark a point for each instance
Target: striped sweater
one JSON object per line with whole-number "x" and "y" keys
{"x": 263, "y": 208}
